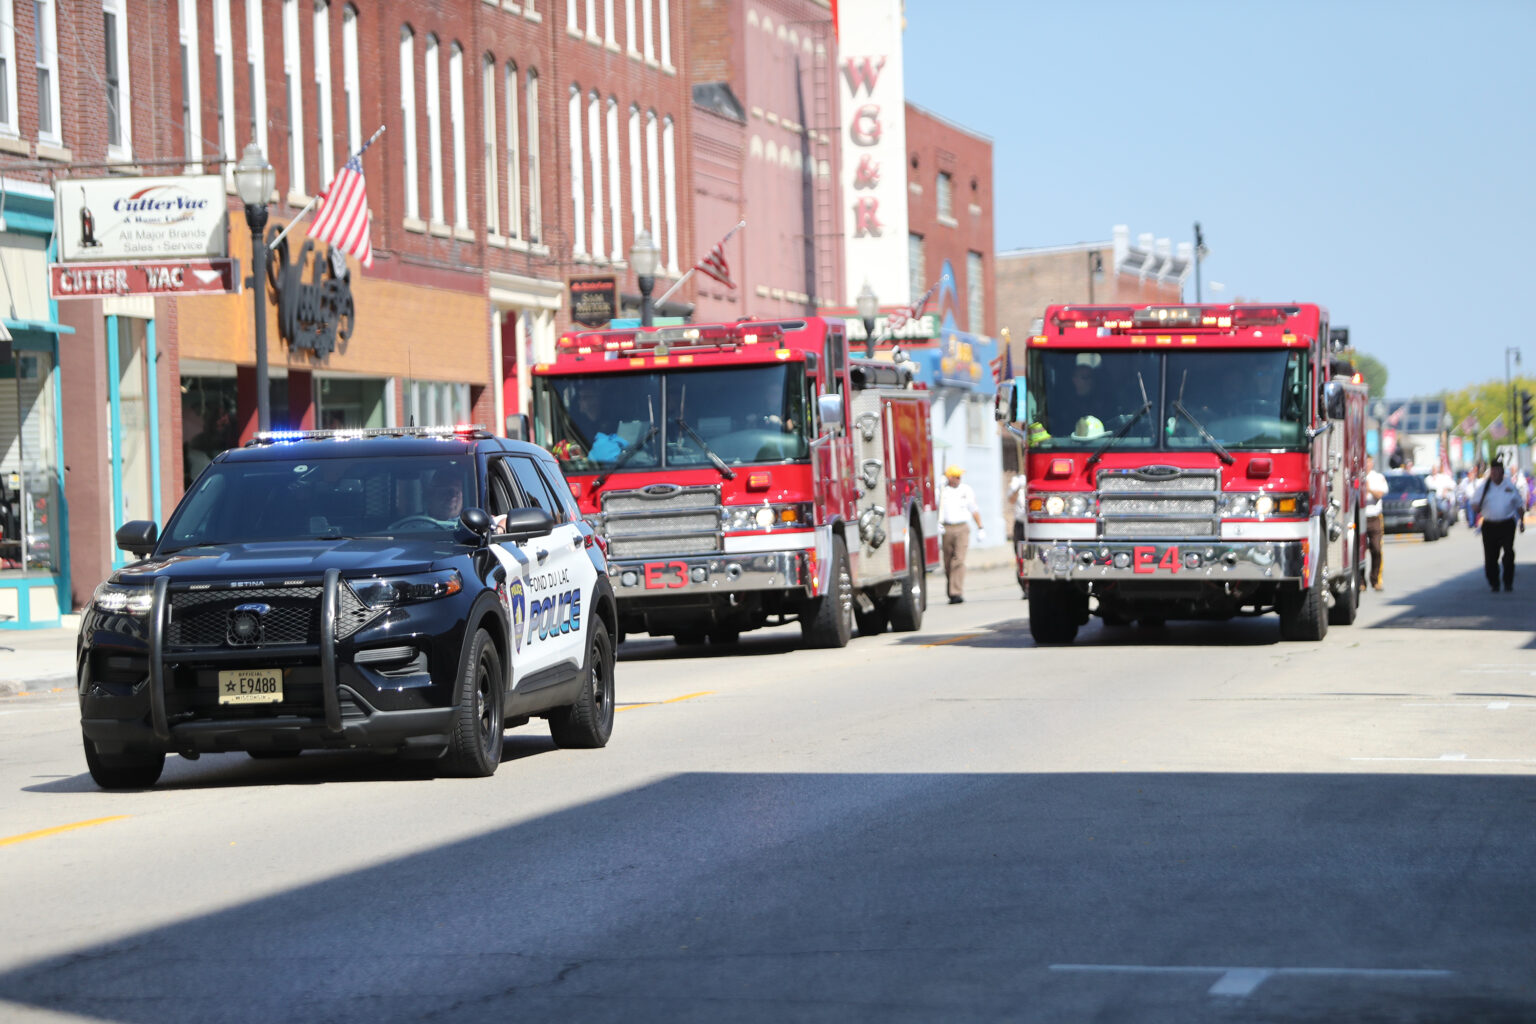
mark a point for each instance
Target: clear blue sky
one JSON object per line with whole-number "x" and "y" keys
{"x": 1377, "y": 158}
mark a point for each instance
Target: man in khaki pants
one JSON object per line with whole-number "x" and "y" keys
{"x": 957, "y": 510}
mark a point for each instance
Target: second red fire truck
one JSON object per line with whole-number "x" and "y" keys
{"x": 1188, "y": 462}
{"x": 746, "y": 475}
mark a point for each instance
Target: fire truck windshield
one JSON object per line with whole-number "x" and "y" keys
{"x": 738, "y": 415}
{"x": 1237, "y": 398}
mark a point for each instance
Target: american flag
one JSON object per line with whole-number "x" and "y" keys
{"x": 343, "y": 220}
{"x": 1469, "y": 425}
{"x": 1396, "y": 418}
{"x": 1497, "y": 430}
{"x": 898, "y": 319}
{"x": 714, "y": 265}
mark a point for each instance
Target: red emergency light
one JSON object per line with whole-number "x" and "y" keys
{"x": 666, "y": 339}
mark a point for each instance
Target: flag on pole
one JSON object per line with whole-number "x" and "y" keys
{"x": 714, "y": 265}
{"x": 343, "y": 220}
{"x": 1496, "y": 429}
{"x": 897, "y": 320}
{"x": 1469, "y": 425}
{"x": 1396, "y": 419}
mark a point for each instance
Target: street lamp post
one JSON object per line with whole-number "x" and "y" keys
{"x": 643, "y": 256}
{"x": 1509, "y": 383}
{"x": 868, "y": 305}
{"x": 254, "y": 181}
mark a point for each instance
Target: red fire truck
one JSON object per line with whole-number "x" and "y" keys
{"x": 745, "y": 475}
{"x": 1188, "y": 462}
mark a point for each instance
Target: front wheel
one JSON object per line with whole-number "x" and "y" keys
{"x": 1303, "y": 613}
{"x": 588, "y": 723}
{"x": 1346, "y": 603}
{"x": 1053, "y": 613}
{"x": 474, "y": 748}
{"x": 132, "y": 769}
{"x": 828, "y": 621}
{"x": 906, "y": 605}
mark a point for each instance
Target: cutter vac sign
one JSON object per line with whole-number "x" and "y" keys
{"x": 180, "y": 217}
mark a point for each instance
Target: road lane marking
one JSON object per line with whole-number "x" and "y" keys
{"x": 669, "y": 700}
{"x": 1458, "y": 758}
{"x": 1241, "y": 982}
{"x": 41, "y": 833}
{"x": 953, "y": 639}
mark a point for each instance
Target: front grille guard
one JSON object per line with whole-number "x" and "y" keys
{"x": 160, "y": 721}
{"x": 1142, "y": 494}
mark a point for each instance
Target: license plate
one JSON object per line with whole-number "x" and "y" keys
{"x": 251, "y": 686}
{"x": 1147, "y": 558}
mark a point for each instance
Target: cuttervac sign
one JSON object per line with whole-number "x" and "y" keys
{"x": 178, "y": 217}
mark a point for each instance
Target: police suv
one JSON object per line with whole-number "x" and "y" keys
{"x": 406, "y": 591}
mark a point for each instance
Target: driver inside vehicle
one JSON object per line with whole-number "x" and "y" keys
{"x": 445, "y": 497}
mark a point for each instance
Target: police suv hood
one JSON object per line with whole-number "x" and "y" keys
{"x": 285, "y": 560}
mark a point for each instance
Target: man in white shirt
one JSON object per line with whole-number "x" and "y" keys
{"x": 1502, "y": 507}
{"x": 1375, "y": 490}
{"x": 957, "y": 510}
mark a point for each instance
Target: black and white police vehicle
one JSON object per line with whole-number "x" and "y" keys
{"x": 407, "y": 591}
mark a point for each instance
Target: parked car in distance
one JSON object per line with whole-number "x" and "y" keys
{"x": 1411, "y": 507}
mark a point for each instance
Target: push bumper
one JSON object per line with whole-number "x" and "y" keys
{"x": 701, "y": 575}
{"x": 1165, "y": 561}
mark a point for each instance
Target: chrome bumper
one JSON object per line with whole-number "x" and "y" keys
{"x": 1164, "y": 561}
{"x": 711, "y": 574}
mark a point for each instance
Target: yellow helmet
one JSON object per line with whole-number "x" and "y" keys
{"x": 953, "y": 470}
{"x": 1089, "y": 428}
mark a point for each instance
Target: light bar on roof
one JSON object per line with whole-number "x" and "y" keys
{"x": 278, "y": 436}
{"x": 665, "y": 339}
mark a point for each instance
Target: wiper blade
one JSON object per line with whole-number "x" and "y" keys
{"x": 624, "y": 457}
{"x": 1125, "y": 428}
{"x": 709, "y": 453}
{"x": 1216, "y": 446}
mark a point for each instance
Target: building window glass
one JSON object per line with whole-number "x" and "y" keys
{"x": 408, "y": 120}
{"x": 535, "y": 187}
{"x": 917, "y": 272}
{"x": 595, "y": 153}
{"x": 944, "y": 195}
{"x": 629, "y": 27}
{"x": 653, "y": 182}
{"x": 615, "y": 187}
{"x": 323, "y": 91}
{"x": 636, "y": 177}
{"x": 191, "y": 110}
{"x": 433, "y": 82}
{"x": 488, "y": 132}
{"x": 646, "y": 31}
{"x": 665, "y": 27}
{"x": 29, "y": 494}
{"x": 115, "y": 40}
{"x": 669, "y": 167}
{"x": 578, "y": 189}
{"x": 592, "y": 20}
{"x": 209, "y": 422}
{"x": 608, "y": 37}
{"x": 570, "y": 17}
{"x": 514, "y": 169}
{"x": 256, "y": 73}
{"x": 431, "y": 403}
{"x": 349, "y": 79}
{"x": 975, "y": 293}
{"x": 460, "y": 153}
{"x": 8, "y": 68}
{"x": 224, "y": 86}
{"x": 346, "y": 403}
{"x": 293, "y": 77}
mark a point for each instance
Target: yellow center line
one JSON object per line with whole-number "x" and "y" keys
{"x": 670, "y": 700}
{"x": 953, "y": 640}
{"x": 8, "y": 840}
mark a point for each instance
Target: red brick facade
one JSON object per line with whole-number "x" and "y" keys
{"x": 937, "y": 149}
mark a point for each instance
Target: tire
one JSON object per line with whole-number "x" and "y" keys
{"x": 906, "y": 606}
{"x": 1303, "y": 614}
{"x": 474, "y": 748}
{"x": 874, "y": 621}
{"x": 134, "y": 769}
{"x": 1052, "y": 613}
{"x": 587, "y": 724}
{"x": 828, "y": 621}
{"x": 1346, "y": 603}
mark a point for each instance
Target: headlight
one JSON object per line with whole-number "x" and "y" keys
{"x": 766, "y": 517}
{"x": 1055, "y": 505}
{"x": 389, "y": 591}
{"x": 1263, "y": 505}
{"x": 119, "y": 599}
{"x": 1076, "y": 505}
{"x": 1240, "y": 505}
{"x": 1420, "y": 502}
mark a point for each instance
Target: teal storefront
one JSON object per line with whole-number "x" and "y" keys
{"x": 34, "y": 520}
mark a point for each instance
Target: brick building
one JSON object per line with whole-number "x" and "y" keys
{"x": 949, "y": 215}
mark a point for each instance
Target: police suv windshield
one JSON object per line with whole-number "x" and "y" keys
{"x": 621, "y": 422}
{"x": 241, "y": 501}
{"x": 1241, "y": 399}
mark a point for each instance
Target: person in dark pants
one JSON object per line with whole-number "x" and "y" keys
{"x": 1502, "y": 508}
{"x": 1375, "y": 490}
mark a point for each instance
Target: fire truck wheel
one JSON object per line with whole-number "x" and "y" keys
{"x": 872, "y": 622}
{"x": 1303, "y": 614}
{"x": 1346, "y": 601}
{"x": 828, "y": 620}
{"x": 1053, "y": 613}
{"x": 905, "y": 606}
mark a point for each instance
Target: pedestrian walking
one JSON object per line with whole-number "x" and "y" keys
{"x": 1501, "y": 505}
{"x": 1375, "y": 490}
{"x": 957, "y": 510}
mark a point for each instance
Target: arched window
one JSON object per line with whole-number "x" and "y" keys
{"x": 595, "y": 154}
{"x": 636, "y": 175}
{"x": 653, "y": 184}
{"x": 535, "y": 183}
{"x": 433, "y": 81}
{"x": 256, "y": 73}
{"x": 408, "y": 121}
{"x": 294, "y": 73}
{"x": 460, "y": 152}
{"x": 578, "y": 184}
{"x": 669, "y": 168}
{"x": 614, "y": 185}
{"x": 350, "y": 84}
{"x": 323, "y": 91}
{"x": 646, "y": 29}
{"x": 514, "y": 168}
{"x": 491, "y": 170}
{"x": 666, "y": 32}
{"x": 223, "y": 83}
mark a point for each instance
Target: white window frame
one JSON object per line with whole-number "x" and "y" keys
{"x": 294, "y": 75}
{"x": 123, "y": 148}
{"x": 636, "y": 173}
{"x": 514, "y": 156}
{"x": 570, "y": 17}
{"x": 48, "y": 60}
{"x": 665, "y": 30}
{"x": 351, "y": 81}
{"x": 492, "y": 169}
{"x": 431, "y": 74}
{"x": 629, "y": 28}
{"x": 944, "y": 197}
{"x": 608, "y": 36}
{"x": 460, "y": 150}
{"x": 224, "y": 85}
{"x": 535, "y": 185}
{"x": 615, "y": 185}
{"x": 592, "y": 35}
{"x": 408, "y": 121}
{"x": 256, "y": 72}
{"x": 578, "y": 184}
{"x": 975, "y": 292}
{"x": 324, "y": 114}
{"x": 647, "y": 30}
{"x": 595, "y": 154}
{"x": 669, "y": 168}
{"x": 653, "y": 181}
{"x": 8, "y": 121}
{"x": 192, "y": 107}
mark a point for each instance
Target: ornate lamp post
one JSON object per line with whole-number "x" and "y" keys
{"x": 643, "y": 256}
{"x": 868, "y": 305}
{"x": 254, "y": 181}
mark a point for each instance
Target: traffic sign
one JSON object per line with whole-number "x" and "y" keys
{"x": 144, "y": 277}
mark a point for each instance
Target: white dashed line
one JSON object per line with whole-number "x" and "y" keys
{"x": 1241, "y": 982}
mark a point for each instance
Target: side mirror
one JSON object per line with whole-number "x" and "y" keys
{"x": 138, "y": 537}
{"x": 1333, "y": 400}
{"x": 1005, "y": 408}
{"x": 830, "y": 407}
{"x": 523, "y": 523}
{"x": 476, "y": 520}
{"x": 518, "y": 428}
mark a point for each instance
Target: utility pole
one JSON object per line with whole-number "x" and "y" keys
{"x": 1509, "y": 384}
{"x": 1199, "y": 255}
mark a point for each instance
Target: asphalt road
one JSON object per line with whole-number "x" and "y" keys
{"x": 1186, "y": 824}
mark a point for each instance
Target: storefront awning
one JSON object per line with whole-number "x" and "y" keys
{"x": 37, "y": 325}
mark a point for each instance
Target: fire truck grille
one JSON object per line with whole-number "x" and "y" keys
{"x": 662, "y": 520}
{"x": 1160, "y": 502}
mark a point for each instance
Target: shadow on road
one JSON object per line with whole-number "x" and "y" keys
{"x": 1251, "y": 631}
{"x": 855, "y": 897}
{"x": 1461, "y": 602}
